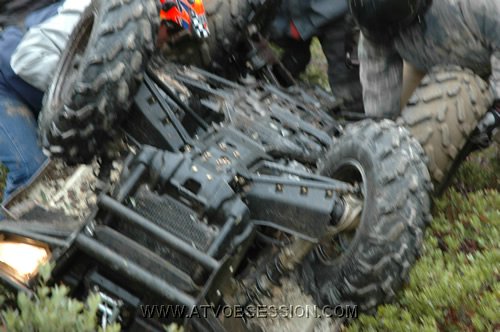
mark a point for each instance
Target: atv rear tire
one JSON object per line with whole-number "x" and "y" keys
{"x": 442, "y": 114}
{"x": 226, "y": 21}
{"x": 97, "y": 77}
{"x": 369, "y": 267}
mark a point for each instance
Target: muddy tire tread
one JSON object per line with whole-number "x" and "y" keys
{"x": 390, "y": 236}
{"x": 442, "y": 114}
{"x": 120, "y": 45}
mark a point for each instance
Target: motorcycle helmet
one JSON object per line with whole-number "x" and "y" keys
{"x": 189, "y": 15}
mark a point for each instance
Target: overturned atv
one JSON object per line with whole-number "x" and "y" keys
{"x": 225, "y": 187}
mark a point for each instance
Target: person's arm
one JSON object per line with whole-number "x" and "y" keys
{"x": 493, "y": 27}
{"x": 487, "y": 14}
{"x": 309, "y": 16}
{"x": 381, "y": 74}
{"x": 36, "y": 57}
{"x": 495, "y": 75}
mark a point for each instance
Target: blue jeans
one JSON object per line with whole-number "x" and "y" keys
{"x": 19, "y": 107}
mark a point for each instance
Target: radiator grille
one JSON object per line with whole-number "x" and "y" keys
{"x": 175, "y": 218}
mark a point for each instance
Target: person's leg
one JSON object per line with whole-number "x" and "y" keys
{"x": 9, "y": 81}
{"x": 344, "y": 80}
{"x": 296, "y": 56}
{"x": 19, "y": 150}
{"x": 296, "y": 53}
{"x": 411, "y": 80}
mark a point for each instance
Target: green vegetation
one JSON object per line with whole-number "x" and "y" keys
{"x": 50, "y": 309}
{"x": 455, "y": 284}
{"x": 317, "y": 71}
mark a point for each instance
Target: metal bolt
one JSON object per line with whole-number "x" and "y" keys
{"x": 241, "y": 181}
{"x": 223, "y": 147}
{"x": 219, "y": 294}
{"x": 194, "y": 169}
{"x": 329, "y": 193}
{"x": 223, "y": 161}
{"x": 231, "y": 269}
{"x": 90, "y": 228}
{"x": 279, "y": 187}
{"x": 210, "y": 177}
{"x": 207, "y": 155}
{"x": 236, "y": 154}
{"x": 304, "y": 190}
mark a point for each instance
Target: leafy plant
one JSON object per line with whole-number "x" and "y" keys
{"x": 455, "y": 285}
{"x": 51, "y": 309}
{"x": 316, "y": 72}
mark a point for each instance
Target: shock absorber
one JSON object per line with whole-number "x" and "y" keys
{"x": 283, "y": 263}
{"x": 345, "y": 216}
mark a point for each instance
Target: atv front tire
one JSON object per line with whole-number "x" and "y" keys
{"x": 442, "y": 114}
{"x": 370, "y": 264}
{"x": 97, "y": 77}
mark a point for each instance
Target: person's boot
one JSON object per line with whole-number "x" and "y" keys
{"x": 296, "y": 57}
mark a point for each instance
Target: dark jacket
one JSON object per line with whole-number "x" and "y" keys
{"x": 309, "y": 15}
{"x": 14, "y": 11}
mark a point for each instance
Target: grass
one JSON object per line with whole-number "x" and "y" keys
{"x": 455, "y": 284}
{"x": 317, "y": 71}
{"x": 50, "y": 309}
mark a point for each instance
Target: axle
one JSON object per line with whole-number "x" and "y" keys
{"x": 291, "y": 256}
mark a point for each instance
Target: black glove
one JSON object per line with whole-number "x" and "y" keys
{"x": 488, "y": 127}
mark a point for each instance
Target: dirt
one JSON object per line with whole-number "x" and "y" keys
{"x": 58, "y": 188}
{"x": 18, "y": 110}
{"x": 291, "y": 296}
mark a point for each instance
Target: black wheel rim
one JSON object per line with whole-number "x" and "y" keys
{"x": 70, "y": 70}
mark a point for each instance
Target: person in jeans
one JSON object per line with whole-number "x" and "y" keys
{"x": 29, "y": 52}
